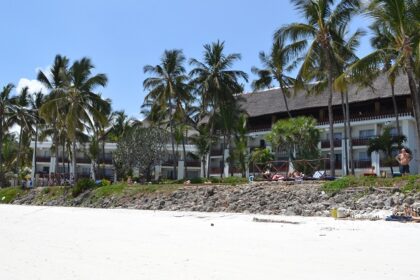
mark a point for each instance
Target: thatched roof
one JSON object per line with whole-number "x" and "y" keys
{"x": 271, "y": 101}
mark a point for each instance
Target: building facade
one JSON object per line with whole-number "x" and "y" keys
{"x": 370, "y": 110}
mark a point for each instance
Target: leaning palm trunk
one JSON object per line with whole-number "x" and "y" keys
{"x": 171, "y": 125}
{"x": 184, "y": 157}
{"x": 330, "y": 115}
{"x": 351, "y": 159}
{"x": 223, "y": 156}
{"x": 343, "y": 107}
{"x": 74, "y": 161}
{"x": 19, "y": 155}
{"x": 285, "y": 100}
{"x": 210, "y": 147}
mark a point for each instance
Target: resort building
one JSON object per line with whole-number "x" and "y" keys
{"x": 371, "y": 109}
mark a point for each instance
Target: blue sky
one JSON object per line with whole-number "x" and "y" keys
{"x": 122, "y": 36}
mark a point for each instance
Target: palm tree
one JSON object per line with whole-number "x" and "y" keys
{"x": 215, "y": 82}
{"x": 280, "y": 61}
{"x": 241, "y": 150}
{"x": 324, "y": 19}
{"x": 120, "y": 125}
{"x": 397, "y": 47}
{"x": 201, "y": 140}
{"x": 36, "y": 102}
{"x": 6, "y": 105}
{"x": 79, "y": 102}
{"x": 56, "y": 81}
{"x": 387, "y": 144}
{"x": 25, "y": 119}
{"x": 167, "y": 89}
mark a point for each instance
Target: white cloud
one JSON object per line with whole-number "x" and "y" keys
{"x": 33, "y": 85}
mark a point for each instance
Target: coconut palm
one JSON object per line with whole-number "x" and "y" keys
{"x": 280, "y": 61}
{"x": 397, "y": 47}
{"x": 323, "y": 19}
{"x": 79, "y": 102}
{"x": 56, "y": 81}
{"x": 215, "y": 82}
{"x": 167, "y": 90}
{"x": 6, "y": 105}
{"x": 36, "y": 102}
{"x": 25, "y": 119}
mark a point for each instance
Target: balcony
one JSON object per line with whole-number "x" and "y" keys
{"x": 43, "y": 159}
{"x": 326, "y": 143}
{"x": 367, "y": 116}
{"x": 362, "y": 164}
{"x": 215, "y": 170}
{"x": 338, "y": 164}
{"x": 216, "y": 152}
{"x": 360, "y": 141}
{"x": 260, "y": 127}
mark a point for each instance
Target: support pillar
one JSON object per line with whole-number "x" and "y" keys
{"x": 181, "y": 170}
{"x": 158, "y": 170}
{"x": 52, "y": 164}
{"x": 375, "y": 158}
{"x": 344, "y": 160}
{"x": 226, "y": 164}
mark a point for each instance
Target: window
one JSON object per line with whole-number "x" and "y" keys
{"x": 337, "y": 136}
{"x": 366, "y": 134}
{"x": 364, "y": 156}
{"x": 393, "y": 131}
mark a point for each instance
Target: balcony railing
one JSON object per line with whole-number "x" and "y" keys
{"x": 43, "y": 159}
{"x": 366, "y": 116}
{"x": 326, "y": 143}
{"x": 360, "y": 141}
{"x": 260, "y": 127}
{"x": 358, "y": 164}
{"x": 215, "y": 170}
{"x": 385, "y": 163}
{"x": 216, "y": 152}
{"x": 338, "y": 164}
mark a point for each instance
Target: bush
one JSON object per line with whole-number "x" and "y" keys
{"x": 233, "y": 180}
{"x": 105, "y": 182}
{"x": 215, "y": 180}
{"x": 83, "y": 185}
{"x": 8, "y": 195}
{"x": 197, "y": 180}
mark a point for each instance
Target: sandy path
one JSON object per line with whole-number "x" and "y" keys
{"x": 77, "y": 243}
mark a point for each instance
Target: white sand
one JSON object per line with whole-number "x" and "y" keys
{"x": 77, "y": 243}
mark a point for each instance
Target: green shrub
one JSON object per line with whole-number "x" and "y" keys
{"x": 216, "y": 180}
{"x": 233, "y": 180}
{"x": 197, "y": 180}
{"x": 83, "y": 185}
{"x": 105, "y": 182}
{"x": 8, "y": 195}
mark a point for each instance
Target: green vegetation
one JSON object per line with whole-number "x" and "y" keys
{"x": 83, "y": 185}
{"x": 8, "y": 195}
{"x": 405, "y": 183}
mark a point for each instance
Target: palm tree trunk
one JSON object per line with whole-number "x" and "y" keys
{"x": 210, "y": 146}
{"x": 35, "y": 183}
{"x": 285, "y": 100}
{"x": 345, "y": 132}
{"x": 351, "y": 159}
{"x": 223, "y": 157}
{"x": 103, "y": 158}
{"x": 203, "y": 161}
{"x": 171, "y": 125}
{"x": 185, "y": 157}
{"x": 394, "y": 103}
{"x": 330, "y": 115}
{"x": 19, "y": 154}
{"x": 74, "y": 161}
{"x": 63, "y": 163}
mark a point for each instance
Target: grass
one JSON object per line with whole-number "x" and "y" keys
{"x": 8, "y": 195}
{"x": 405, "y": 184}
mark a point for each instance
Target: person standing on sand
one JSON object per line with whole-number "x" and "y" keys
{"x": 404, "y": 159}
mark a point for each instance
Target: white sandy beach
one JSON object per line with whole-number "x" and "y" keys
{"x": 78, "y": 243}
